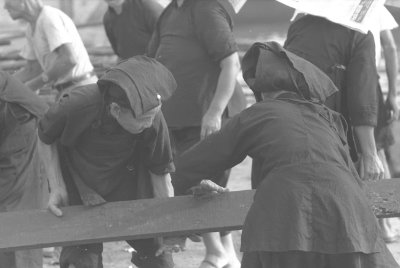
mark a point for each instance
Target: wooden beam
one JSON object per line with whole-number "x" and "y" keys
{"x": 152, "y": 218}
{"x": 123, "y": 220}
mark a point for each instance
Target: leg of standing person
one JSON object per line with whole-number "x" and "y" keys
{"x": 216, "y": 253}
{"x": 220, "y": 251}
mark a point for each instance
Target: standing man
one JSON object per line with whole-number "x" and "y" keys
{"x": 348, "y": 58}
{"x": 54, "y": 51}
{"x": 194, "y": 40}
{"x": 109, "y": 142}
{"x": 21, "y": 184}
{"x": 129, "y": 25}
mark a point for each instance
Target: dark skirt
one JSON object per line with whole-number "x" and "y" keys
{"x": 302, "y": 259}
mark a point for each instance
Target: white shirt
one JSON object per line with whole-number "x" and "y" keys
{"x": 54, "y": 28}
{"x": 381, "y": 20}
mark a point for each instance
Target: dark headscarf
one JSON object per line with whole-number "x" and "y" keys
{"x": 144, "y": 80}
{"x": 268, "y": 67}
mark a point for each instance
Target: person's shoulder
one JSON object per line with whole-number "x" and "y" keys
{"x": 81, "y": 98}
{"x": 268, "y": 106}
{"x": 204, "y": 8}
{"x": 49, "y": 12}
{"x": 212, "y": 4}
{"x": 51, "y": 15}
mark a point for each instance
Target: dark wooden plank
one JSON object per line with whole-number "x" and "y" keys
{"x": 123, "y": 220}
{"x": 152, "y": 217}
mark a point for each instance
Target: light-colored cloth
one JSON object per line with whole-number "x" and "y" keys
{"x": 380, "y": 20}
{"x": 54, "y": 28}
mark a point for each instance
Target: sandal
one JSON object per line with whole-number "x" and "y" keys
{"x": 210, "y": 264}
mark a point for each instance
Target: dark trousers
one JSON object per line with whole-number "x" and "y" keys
{"x": 181, "y": 140}
{"x": 89, "y": 256}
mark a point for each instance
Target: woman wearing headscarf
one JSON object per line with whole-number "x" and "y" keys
{"x": 21, "y": 184}
{"x": 109, "y": 142}
{"x": 309, "y": 209}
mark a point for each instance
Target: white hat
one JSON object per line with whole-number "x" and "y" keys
{"x": 349, "y": 13}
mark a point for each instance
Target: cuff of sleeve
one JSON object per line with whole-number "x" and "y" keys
{"x": 226, "y": 54}
{"x": 163, "y": 169}
{"x": 365, "y": 117}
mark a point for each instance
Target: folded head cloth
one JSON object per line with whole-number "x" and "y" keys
{"x": 144, "y": 80}
{"x": 14, "y": 91}
{"x": 268, "y": 67}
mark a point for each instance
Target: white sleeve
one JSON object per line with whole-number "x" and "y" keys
{"x": 55, "y": 30}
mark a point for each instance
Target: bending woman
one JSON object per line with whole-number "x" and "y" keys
{"x": 309, "y": 209}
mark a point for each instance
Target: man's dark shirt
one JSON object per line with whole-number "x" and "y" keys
{"x": 130, "y": 31}
{"x": 93, "y": 146}
{"x": 327, "y": 45}
{"x": 193, "y": 39}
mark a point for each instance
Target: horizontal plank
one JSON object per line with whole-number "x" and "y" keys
{"x": 152, "y": 218}
{"x": 123, "y": 220}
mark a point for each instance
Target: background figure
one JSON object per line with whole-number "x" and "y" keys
{"x": 348, "y": 58}
{"x": 54, "y": 51}
{"x": 22, "y": 186}
{"x": 194, "y": 40}
{"x": 129, "y": 25}
{"x": 109, "y": 142}
{"x": 309, "y": 209}
{"x": 381, "y": 25}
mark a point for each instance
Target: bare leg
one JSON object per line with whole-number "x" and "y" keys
{"x": 227, "y": 242}
{"x": 216, "y": 257}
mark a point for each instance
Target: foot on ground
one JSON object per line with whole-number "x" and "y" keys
{"x": 233, "y": 263}
{"x": 212, "y": 261}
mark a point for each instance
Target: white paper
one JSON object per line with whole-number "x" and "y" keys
{"x": 350, "y": 13}
{"x": 237, "y": 4}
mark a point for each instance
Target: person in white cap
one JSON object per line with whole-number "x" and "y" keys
{"x": 54, "y": 51}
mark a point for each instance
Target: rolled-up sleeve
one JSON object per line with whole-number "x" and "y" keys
{"x": 66, "y": 120}
{"x": 213, "y": 24}
{"x": 362, "y": 81}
